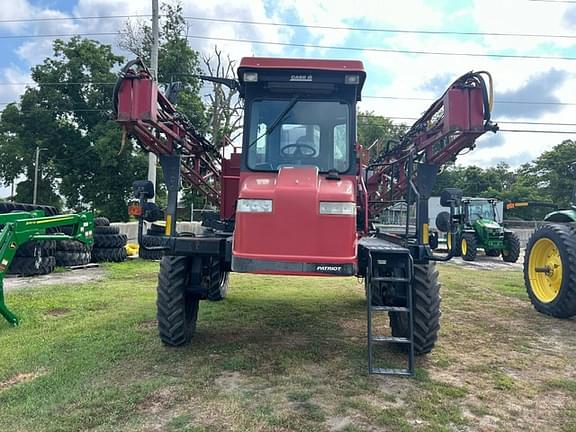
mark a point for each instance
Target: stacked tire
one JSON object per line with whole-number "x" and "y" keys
{"x": 109, "y": 244}
{"x": 34, "y": 258}
{"x": 152, "y": 238}
{"x": 71, "y": 253}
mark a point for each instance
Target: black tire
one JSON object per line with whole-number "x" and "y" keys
{"x": 156, "y": 230}
{"x": 218, "y": 281}
{"x": 563, "y": 304}
{"x": 106, "y": 230}
{"x": 426, "y": 304}
{"x": 151, "y": 241}
{"x": 101, "y": 221}
{"x": 72, "y": 246}
{"x": 492, "y": 252}
{"x": 177, "y": 309}
{"x": 456, "y": 238}
{"x": 433, "y": 241}
{"x": 512, "y": 247}
{"x": 34, "y": 247}
{"x": 109, "y": 254}
{"x": 471, "y": 246}
{"x": 30, "y": 266}
{"x": 110, "y": 241}
{"x": 70, "y": 259}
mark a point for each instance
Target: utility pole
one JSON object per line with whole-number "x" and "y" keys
{"x": 154, "y": 66}
{"x": 36, "y": 165}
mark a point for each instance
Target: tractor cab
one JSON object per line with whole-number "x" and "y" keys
{"x": 478, "y": 208}
{"x": 296, "y": 209}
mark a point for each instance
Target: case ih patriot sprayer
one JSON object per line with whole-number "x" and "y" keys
{"x": 300, "y": 197}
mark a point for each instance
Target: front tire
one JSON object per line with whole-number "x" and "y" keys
{"x": 426, "y": 307}
{"x": 512, "y": 248}
{"x": 177, "y": 309}
{"x": 468, "y": 247}
{"x": 550, "y": 270}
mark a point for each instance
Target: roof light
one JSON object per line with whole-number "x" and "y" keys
{"x": 352, "y": 79}
{"x": 250, "y": 76}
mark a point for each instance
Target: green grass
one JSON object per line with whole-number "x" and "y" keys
{"x": 281, "y": 353}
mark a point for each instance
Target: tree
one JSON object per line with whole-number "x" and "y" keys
{"x": 376, "y": 132}
{"x": 66, "y": 114}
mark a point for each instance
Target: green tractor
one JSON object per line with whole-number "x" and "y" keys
{"x": 479, "y": 229}
{"x": 550, "y": 264}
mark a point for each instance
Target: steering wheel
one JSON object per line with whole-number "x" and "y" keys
{"x": 298, "y": 150}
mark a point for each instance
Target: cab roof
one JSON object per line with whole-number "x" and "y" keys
{"x": 275, "y": 63}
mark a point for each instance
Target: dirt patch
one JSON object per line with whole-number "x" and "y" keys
{"x": 147, "y": 325}
{"x": 337, "y": 424}
{"x": 77, "y": 277}
{"x": 230, "y": 381}
{"x": 56, "y": 312}
{"x": 483, "y": 262}
{"x": 19, "y": 379}
{"x": 157, "y": 401}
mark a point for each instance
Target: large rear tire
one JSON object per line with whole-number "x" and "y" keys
{"x": 550, "y": 270}
{"x": 177, "y": 309}
{"x": 511, "y": 250}
{"x": 426, "y": 305}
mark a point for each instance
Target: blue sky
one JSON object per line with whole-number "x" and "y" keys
{"x": 399, "y": 78}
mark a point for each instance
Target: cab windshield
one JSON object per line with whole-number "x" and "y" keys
{"x": 481, "y": 210}
{"x": 310, "y": 133}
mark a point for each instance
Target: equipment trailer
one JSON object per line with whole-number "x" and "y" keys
{"x": 19, "y": 227}
{"x": 301, "y": 197}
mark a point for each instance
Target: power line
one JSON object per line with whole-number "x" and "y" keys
{"x": 307, "y": 26}
{"x": 382, "y": 30}
{"x": 330, "y": 47}
{"x": 385, "y": 50}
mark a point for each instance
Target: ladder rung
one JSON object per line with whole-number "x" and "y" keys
{"x": 390, "y": 339}
{"x": 385, "y": 371}
{"x": 390, "y": 309}
{"x": 389, "y": 279}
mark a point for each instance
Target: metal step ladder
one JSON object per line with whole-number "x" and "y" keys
{"x": 374, "y": 276}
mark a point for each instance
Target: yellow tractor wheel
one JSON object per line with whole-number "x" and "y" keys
{"x": 550, "y": 270}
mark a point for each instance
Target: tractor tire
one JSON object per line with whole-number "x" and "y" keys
{"x": 72, "y": 246}
{"x": 552, "y": 292}
{"x": 426, "y": 304}
{"x": 218, "y": 281}
{"x": 101, "y": 221}
{"x": 449, "y": 239}
{"x": 492, "y": 252}
{"x": 177, "y": 309}
{"x": 31, "y": 248}
{"x": 106, "y": 230}
{"x": 156, "y": 229}
{"x": 151, "y": 241}
{"x": 512, "y": 251}
{"x": 30, "y": 266}
{"x": 110, "y": 241}
{"x": 468, "y": 247}
{"x": 71, "y": 259}
{"x": 109, "y": 254}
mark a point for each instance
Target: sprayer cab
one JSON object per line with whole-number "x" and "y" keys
{"x": 298, "y": 168}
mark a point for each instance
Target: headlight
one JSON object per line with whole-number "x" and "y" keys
{"x": 338, "y": 208}
{"x": 254, "y": 206}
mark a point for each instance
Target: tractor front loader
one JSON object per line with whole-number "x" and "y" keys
{"x": 301, "y": 197}
{"x": 20, "y": 227}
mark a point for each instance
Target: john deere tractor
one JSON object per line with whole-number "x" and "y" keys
{"x": 550, "y": 264}
{"x": 479, "y": 229}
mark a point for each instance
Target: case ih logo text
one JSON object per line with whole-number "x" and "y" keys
{"x": 300, "y": 77}
{"x": 328, "y": 268}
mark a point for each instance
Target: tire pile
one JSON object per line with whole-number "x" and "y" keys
{"x": 153, "y": 237}
{"x": 109, "y": 244}
{"x": 70, "y": 253}
{"x": 33, "y": 257}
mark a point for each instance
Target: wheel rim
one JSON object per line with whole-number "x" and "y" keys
{"x": 464, "y": 247}
{"x": 546, "y": 283}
